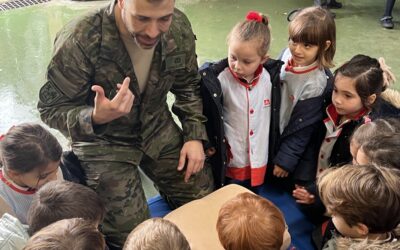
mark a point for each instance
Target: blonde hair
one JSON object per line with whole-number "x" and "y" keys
{"x": 67, "y": 234}
{"x": 248, "y": 30}
{"x": 363, "y": 194}
{"x": 315, "y": 25}
{"x": 249, "y": 221}
{"x": 156, "y": 234}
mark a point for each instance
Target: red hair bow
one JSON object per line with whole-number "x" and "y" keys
{"x": 254, "y": 16}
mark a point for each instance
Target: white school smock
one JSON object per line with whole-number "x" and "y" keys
{"x": 247, "y": 115}
{"x": 298, "y": 83}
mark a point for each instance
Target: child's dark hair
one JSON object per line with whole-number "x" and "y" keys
{"x": 378, "y": 127}
{"x": 383, "y": 150}
{"x": 28, "y": 146}
{"x": 315, "y": 26}
{"x": 371, "y": 76}
{"x": 58, "y": 200}
{"x": 254, "y": 27}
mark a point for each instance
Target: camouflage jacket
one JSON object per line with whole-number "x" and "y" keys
{"x": 90, "y": 51}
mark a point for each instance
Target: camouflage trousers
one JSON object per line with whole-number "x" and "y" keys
{"x": 119, "y": 186}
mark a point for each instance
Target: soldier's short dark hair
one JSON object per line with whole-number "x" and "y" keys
{"x": 58, "y": 200}
{"x": 67, "y": 234}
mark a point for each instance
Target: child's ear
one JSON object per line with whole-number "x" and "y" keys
{"x": 264, "y": 59}
{"x": 327, "y": 44}
{"x": 121, "y": 4}
{"x": 371, "y": 99}
{"x": 362, "y": 229}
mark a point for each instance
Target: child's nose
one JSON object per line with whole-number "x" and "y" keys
{"x": 297, "y": 48}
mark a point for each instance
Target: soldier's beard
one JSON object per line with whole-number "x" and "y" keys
{"x": 144, "y": 41}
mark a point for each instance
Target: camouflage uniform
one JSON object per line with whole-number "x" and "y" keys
{"x": 90, "y": 51}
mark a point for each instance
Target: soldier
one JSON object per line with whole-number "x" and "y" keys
{"x": 106, "y": 90}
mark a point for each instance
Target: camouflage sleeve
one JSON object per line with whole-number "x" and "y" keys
{"x": 62, "y": 99}
{"x": 188, "y": 104}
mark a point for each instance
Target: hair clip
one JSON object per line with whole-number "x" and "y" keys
{"x": 254, "y": 16}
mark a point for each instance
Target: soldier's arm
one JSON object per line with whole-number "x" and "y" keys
{"x": 188, "y": 105}
{"x": 63, "y": 98}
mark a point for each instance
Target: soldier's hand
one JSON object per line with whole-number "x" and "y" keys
{"x": 106, "y": 110}
{"x": 280, "y": 172}
{"x": 303, "y": 196}
{"x": 193, "y": 152}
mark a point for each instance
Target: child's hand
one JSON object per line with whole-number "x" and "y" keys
{"x": 280, "y": 172}
{"x": 303, "y": 196}
{"x": 210, "y": 151}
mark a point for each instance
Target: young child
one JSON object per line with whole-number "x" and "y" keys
{"x": 67, "y": 234}
{"x": 30, "y": 157}
{"x": 237, "y": 99}
{"x": 59, "y": 200}
{"x": 312, "y": 45}
{"x": 364, "y": 202}
{"x": 156, "y": 234}
{"x": 249, "y": 221}
{"x": 357, "y": 88}
{"x": 54, "y": 201}
{"x": 377, "y": 142}
{"x": 383, "y": 151}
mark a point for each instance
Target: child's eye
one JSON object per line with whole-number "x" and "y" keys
{"x": 246, "y": 62}
{"x": 41, "y": 177}
{"x": 233, "y": 58}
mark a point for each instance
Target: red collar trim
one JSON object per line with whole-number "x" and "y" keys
{"x": 13, "y": 187}
{"x": 291, "y": 68}
{"x": 333, "y": 115}
{"x": 244, "y": 82}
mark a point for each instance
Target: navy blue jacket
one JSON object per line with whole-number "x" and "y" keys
{"x": 299, "y": 143}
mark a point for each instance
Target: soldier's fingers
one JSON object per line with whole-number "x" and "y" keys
{"x": 197, "y": 166}
{"x": 126, "y": 102}
{"x": 99, "y": 91}
{"x": 181, "y": 162}
{"x": 125, "y": 84}
{"x": 189, "y": 169}
{"x": 188, "y": 173}
{"x": 123, "y": 91}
